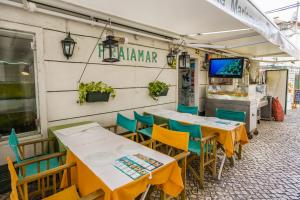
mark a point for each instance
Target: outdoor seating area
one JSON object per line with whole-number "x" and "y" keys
{"x": 148, "y": 100}
{"x": 84, "y": 156}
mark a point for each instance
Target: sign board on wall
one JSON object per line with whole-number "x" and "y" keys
{"x": 246, "y": 12}
{"x": 133, "y": 54}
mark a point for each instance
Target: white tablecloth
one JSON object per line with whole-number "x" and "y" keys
{"x": 98, "y": 148}
{"x": 212, "y": 122}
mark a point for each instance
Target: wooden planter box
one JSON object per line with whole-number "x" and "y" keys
{"x": 97, "y": 97}
{"x": 163, "y": 93}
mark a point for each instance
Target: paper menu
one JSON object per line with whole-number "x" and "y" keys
{"x": 136, "y": 165}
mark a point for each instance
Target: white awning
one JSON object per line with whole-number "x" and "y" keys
{"x": 230, "y": 25}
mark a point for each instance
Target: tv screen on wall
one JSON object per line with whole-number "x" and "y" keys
{"x": 226, "y": 67}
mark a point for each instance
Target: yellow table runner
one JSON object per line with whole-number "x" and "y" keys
{"x": 167, "y": 177}
{"x": 228, "y": 138}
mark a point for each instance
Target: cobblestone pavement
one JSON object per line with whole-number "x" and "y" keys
{"x": 269, "y": 169}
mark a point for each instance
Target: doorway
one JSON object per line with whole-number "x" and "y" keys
{"x": 277, "y": 85}
{"x": 188, "y": 90}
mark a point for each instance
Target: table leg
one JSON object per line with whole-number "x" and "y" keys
{"x": 222, "y": 165}
{"x": 143, "y": 197}
{"x": 240, "y": 152}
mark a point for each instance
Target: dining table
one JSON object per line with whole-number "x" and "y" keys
{"x": 98, "y": 153}
{"x": 229, "y": 132}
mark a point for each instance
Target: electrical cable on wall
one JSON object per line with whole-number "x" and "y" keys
{"x": 99, "y": 38}
{"x": 176, "y": 49}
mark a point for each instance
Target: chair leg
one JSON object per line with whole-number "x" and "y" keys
{"x": 201, "y": 178}
{"x": 183, "y": 193}
{"x": 214, "y": 166}
{"x": 221, "y": 167}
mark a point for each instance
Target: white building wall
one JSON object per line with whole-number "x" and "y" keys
{"x": 60, "y": 76}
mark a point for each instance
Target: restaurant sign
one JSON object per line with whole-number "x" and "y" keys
{"x": 132, "y": 54}
{"x": 246, "y": 12}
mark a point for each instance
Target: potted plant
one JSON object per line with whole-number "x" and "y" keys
{"x": 158, "y": 88}
{"x": 93, "y": 92}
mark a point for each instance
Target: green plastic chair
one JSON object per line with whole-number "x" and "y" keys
{"x": 126, "y": 123}
{"x": 13, "y": 144}
{"x": 146, "y": 121}
{"x": 207, "y": 153}
{"x": 188, "y": 109}
{"x": 30, "y": 169}
{"x": 195, "y": 133}
{"x": 238, "y": 116}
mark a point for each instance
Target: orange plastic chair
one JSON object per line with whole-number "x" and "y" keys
{"x": 19, "y": 188}
{"x": 176, "y": 144}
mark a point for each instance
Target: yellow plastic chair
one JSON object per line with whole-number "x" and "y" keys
{"x": 46, "y": 184}
{"x": 176, "y": 144}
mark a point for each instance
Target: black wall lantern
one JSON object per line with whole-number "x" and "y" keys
{"x": 171, "y": 58}
{"x": 110, "y": 49}
{"x": 184, "y": 60}
{"x": 68, "y": 45}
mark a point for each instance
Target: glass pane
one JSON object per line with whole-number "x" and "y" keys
{"x": 17, "y": 84}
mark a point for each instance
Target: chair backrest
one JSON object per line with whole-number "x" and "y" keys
{"x": 188, "y": 109}
{"x": 231, "y": 115}
{"x": 147, "y": 120}
{"x": 13, "y": 143}
{"x": 194, "y": 130}
{"x": 126, "y": 123}
{"x": 13, "y": 179}
{"x": 176, "y": 139}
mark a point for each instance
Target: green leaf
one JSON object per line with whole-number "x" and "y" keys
{"x": 84, "y": 88}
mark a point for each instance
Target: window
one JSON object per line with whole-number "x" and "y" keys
{"x": 18, "y": 108}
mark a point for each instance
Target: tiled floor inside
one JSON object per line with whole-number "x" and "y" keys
{"x": 269, "y": 169}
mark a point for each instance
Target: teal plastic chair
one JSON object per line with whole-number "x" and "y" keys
{"x": 30, "y": 169}
{"x": 207, "y": 153}
{"x": 126, "y": 123}
{"x": 13, "y": 144}
{"x": 238, "y": 116}
{"x": 195, "y": 133}
{"x": 188, "y": 109}
{"x": 146, "y": 121}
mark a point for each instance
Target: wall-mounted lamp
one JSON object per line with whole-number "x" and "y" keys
{"x": 184, "y": 60}
{"x": 171, "y": 58}
{"x": 25, "y": 71}
{"x": 110, "y": 49}
{"x": 68, "y": 45}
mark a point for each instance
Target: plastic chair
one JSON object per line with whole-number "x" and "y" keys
{"x": 188, "y": 109}
{"x": 238, "y": 116}
{"x": 146, "y": 123}
{"x": 205, "y": 147}
{"x": 33, "y": 168}
{"x": 20, "y": 188}
{"x": 175, "y": 142}
{"x": 125, "y": 123}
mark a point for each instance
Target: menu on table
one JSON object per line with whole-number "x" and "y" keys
{"x": 136, "y": 165}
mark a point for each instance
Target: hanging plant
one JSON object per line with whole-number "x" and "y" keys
{"x": 158, "y": 88}
{"x": 93, "y": 92}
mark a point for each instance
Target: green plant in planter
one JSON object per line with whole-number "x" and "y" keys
{"x": 158, "y": 88}
{"x": 85, "y": 88}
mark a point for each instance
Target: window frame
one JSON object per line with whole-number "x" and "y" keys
{"x": 39, "y": 72}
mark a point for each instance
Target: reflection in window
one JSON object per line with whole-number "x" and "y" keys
{"x": 17, "y": 84}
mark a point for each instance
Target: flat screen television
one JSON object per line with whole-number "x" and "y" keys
{"x": 226, "y": 67}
